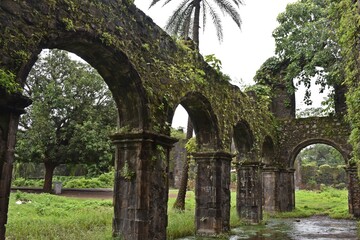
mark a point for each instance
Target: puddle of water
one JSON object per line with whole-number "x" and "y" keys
{"x": 317, "y": 227}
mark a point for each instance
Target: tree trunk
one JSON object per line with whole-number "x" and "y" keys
{"x": 196, "y": 25}
{"x": 180, "y": 199}
{"x": 49, "y": 172}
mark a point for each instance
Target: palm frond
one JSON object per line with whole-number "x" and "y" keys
{"x": 228, "y": 8}
{"x": 238, "y": 2}
{"x": 156, "y": 1}
{"x": 180, "y": 21}
{"x": 216, "y": 20}
{"x": 204, "y": 10}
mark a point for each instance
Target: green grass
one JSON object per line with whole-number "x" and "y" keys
{"x": 46, "y": 216}
{"x": 54, "y": 217}
{"x": 329, "y": 201}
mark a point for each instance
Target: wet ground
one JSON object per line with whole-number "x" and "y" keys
{"x": 317, "y": 227}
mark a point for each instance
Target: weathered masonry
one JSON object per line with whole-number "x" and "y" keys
{"x": 149, "y": 75}
{"x": 295, "y": 134}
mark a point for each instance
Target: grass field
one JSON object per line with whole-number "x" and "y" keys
{"x": 50, "y": 217}
{"x": 329, "y": 201}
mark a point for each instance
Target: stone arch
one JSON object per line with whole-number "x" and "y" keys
{"x": 268, "y": 152}
{"x": 296, "y": 150}
{"x": 115, "y": 68}
{"x": 243, "y": 138}
{"x": 203, "y": 119}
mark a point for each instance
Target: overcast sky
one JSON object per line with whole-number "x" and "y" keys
{"x": 242, "y": 52}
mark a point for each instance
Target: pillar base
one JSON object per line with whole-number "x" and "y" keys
{"x": 354, "y": 191}
{"x": 278, "y": 189}
{"x": 141, "y": 185}
{"x": 249, "y": 192}
{"x": 11, "y": 107}
{"x": 212, "y": 191}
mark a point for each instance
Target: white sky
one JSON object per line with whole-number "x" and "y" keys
{"x": 242, "y": 52}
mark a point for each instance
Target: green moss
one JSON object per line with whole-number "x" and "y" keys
{"x": 126, "y": 172}
{"x": 69, "y": 25}
{"x": 108, "y": 39}
{"x": 7, "y": 81}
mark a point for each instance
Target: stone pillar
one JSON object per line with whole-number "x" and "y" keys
{"x": 249, "y": 192}
{"x": 11, "y": 107}
{"x": 270, "y": 178}
{"x": 286, "y": 194}
{"x": 141, "y": 185}
{"x": 354, "y": 191}
{"x": 212, "y": 191}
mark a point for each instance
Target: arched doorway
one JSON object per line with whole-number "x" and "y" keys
{"x": 320, "y": 174}
{"x": 125, "y": 85}
{"x": 70, "y": 119}
{"x": 319, "y": 165}
{"x": 211, "y": 166}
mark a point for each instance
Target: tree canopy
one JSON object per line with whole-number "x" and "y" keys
{"x": 306, "y": 47}
{"x": 346, "y": 19}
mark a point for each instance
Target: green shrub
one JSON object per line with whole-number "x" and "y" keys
{"x": 105, "y": 180}
{"x": 22, "y": 182}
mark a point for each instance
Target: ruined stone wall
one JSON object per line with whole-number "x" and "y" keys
{"x": 296, "y": 134}
{"x": 147, "y": 71}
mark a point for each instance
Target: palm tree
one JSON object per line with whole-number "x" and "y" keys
{"x": 186, "y": 17}
{"x": 184, "y": 21}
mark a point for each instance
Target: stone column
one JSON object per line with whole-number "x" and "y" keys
{"x": 354, "y": 191}
{"x": 270, "y": 176}
{"x": 141, "y": 185}
{"x": 249, "y": 192}
{"x": 212, "y": 191}
{"x": 11, "y": 107}
{"x": 286, "y": 194}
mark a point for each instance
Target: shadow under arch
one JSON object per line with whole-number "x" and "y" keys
{"x": 203, "y": 119}
{"x": 243, "y": 139}
{"x": 268, "y": 152}
{"x": 114, "y": 67}
{"x": 300, "y": 146}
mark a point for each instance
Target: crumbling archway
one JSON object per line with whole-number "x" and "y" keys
{"x": 352, "y": 178}
{"x": 212, "y": 183}
{"x": 308, "y": 142}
